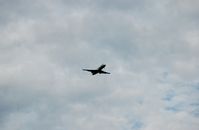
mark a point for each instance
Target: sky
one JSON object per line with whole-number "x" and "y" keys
{"x": 150, "y": 47}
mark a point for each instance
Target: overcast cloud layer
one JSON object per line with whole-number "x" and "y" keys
{"x": 150, "y": 47}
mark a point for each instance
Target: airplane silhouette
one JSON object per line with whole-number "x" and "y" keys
{"x": 98, "y": 70}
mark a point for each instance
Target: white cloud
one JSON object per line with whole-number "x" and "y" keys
{"x": 150, "y": 48}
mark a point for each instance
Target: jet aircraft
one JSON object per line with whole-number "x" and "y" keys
{"x": 98, "y": 70}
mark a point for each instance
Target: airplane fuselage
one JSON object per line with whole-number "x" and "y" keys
{"x": 101, "y": 67}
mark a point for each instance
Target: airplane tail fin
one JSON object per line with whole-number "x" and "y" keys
{"x": 93, "y": 72}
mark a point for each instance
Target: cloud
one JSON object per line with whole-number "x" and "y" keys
{"x": 150, "y": 48}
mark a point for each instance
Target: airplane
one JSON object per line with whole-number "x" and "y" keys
{"x": 98, "y": 70}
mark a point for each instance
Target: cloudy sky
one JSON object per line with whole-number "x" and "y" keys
{"x": 151, "y": 48}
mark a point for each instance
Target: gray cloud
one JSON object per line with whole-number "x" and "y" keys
{"x": 150, "y": 48}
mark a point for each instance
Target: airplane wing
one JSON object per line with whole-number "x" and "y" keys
{"x": 104, "y": 72}
{"x": 92, "y": 71}
{"x": 86, "y": 70}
